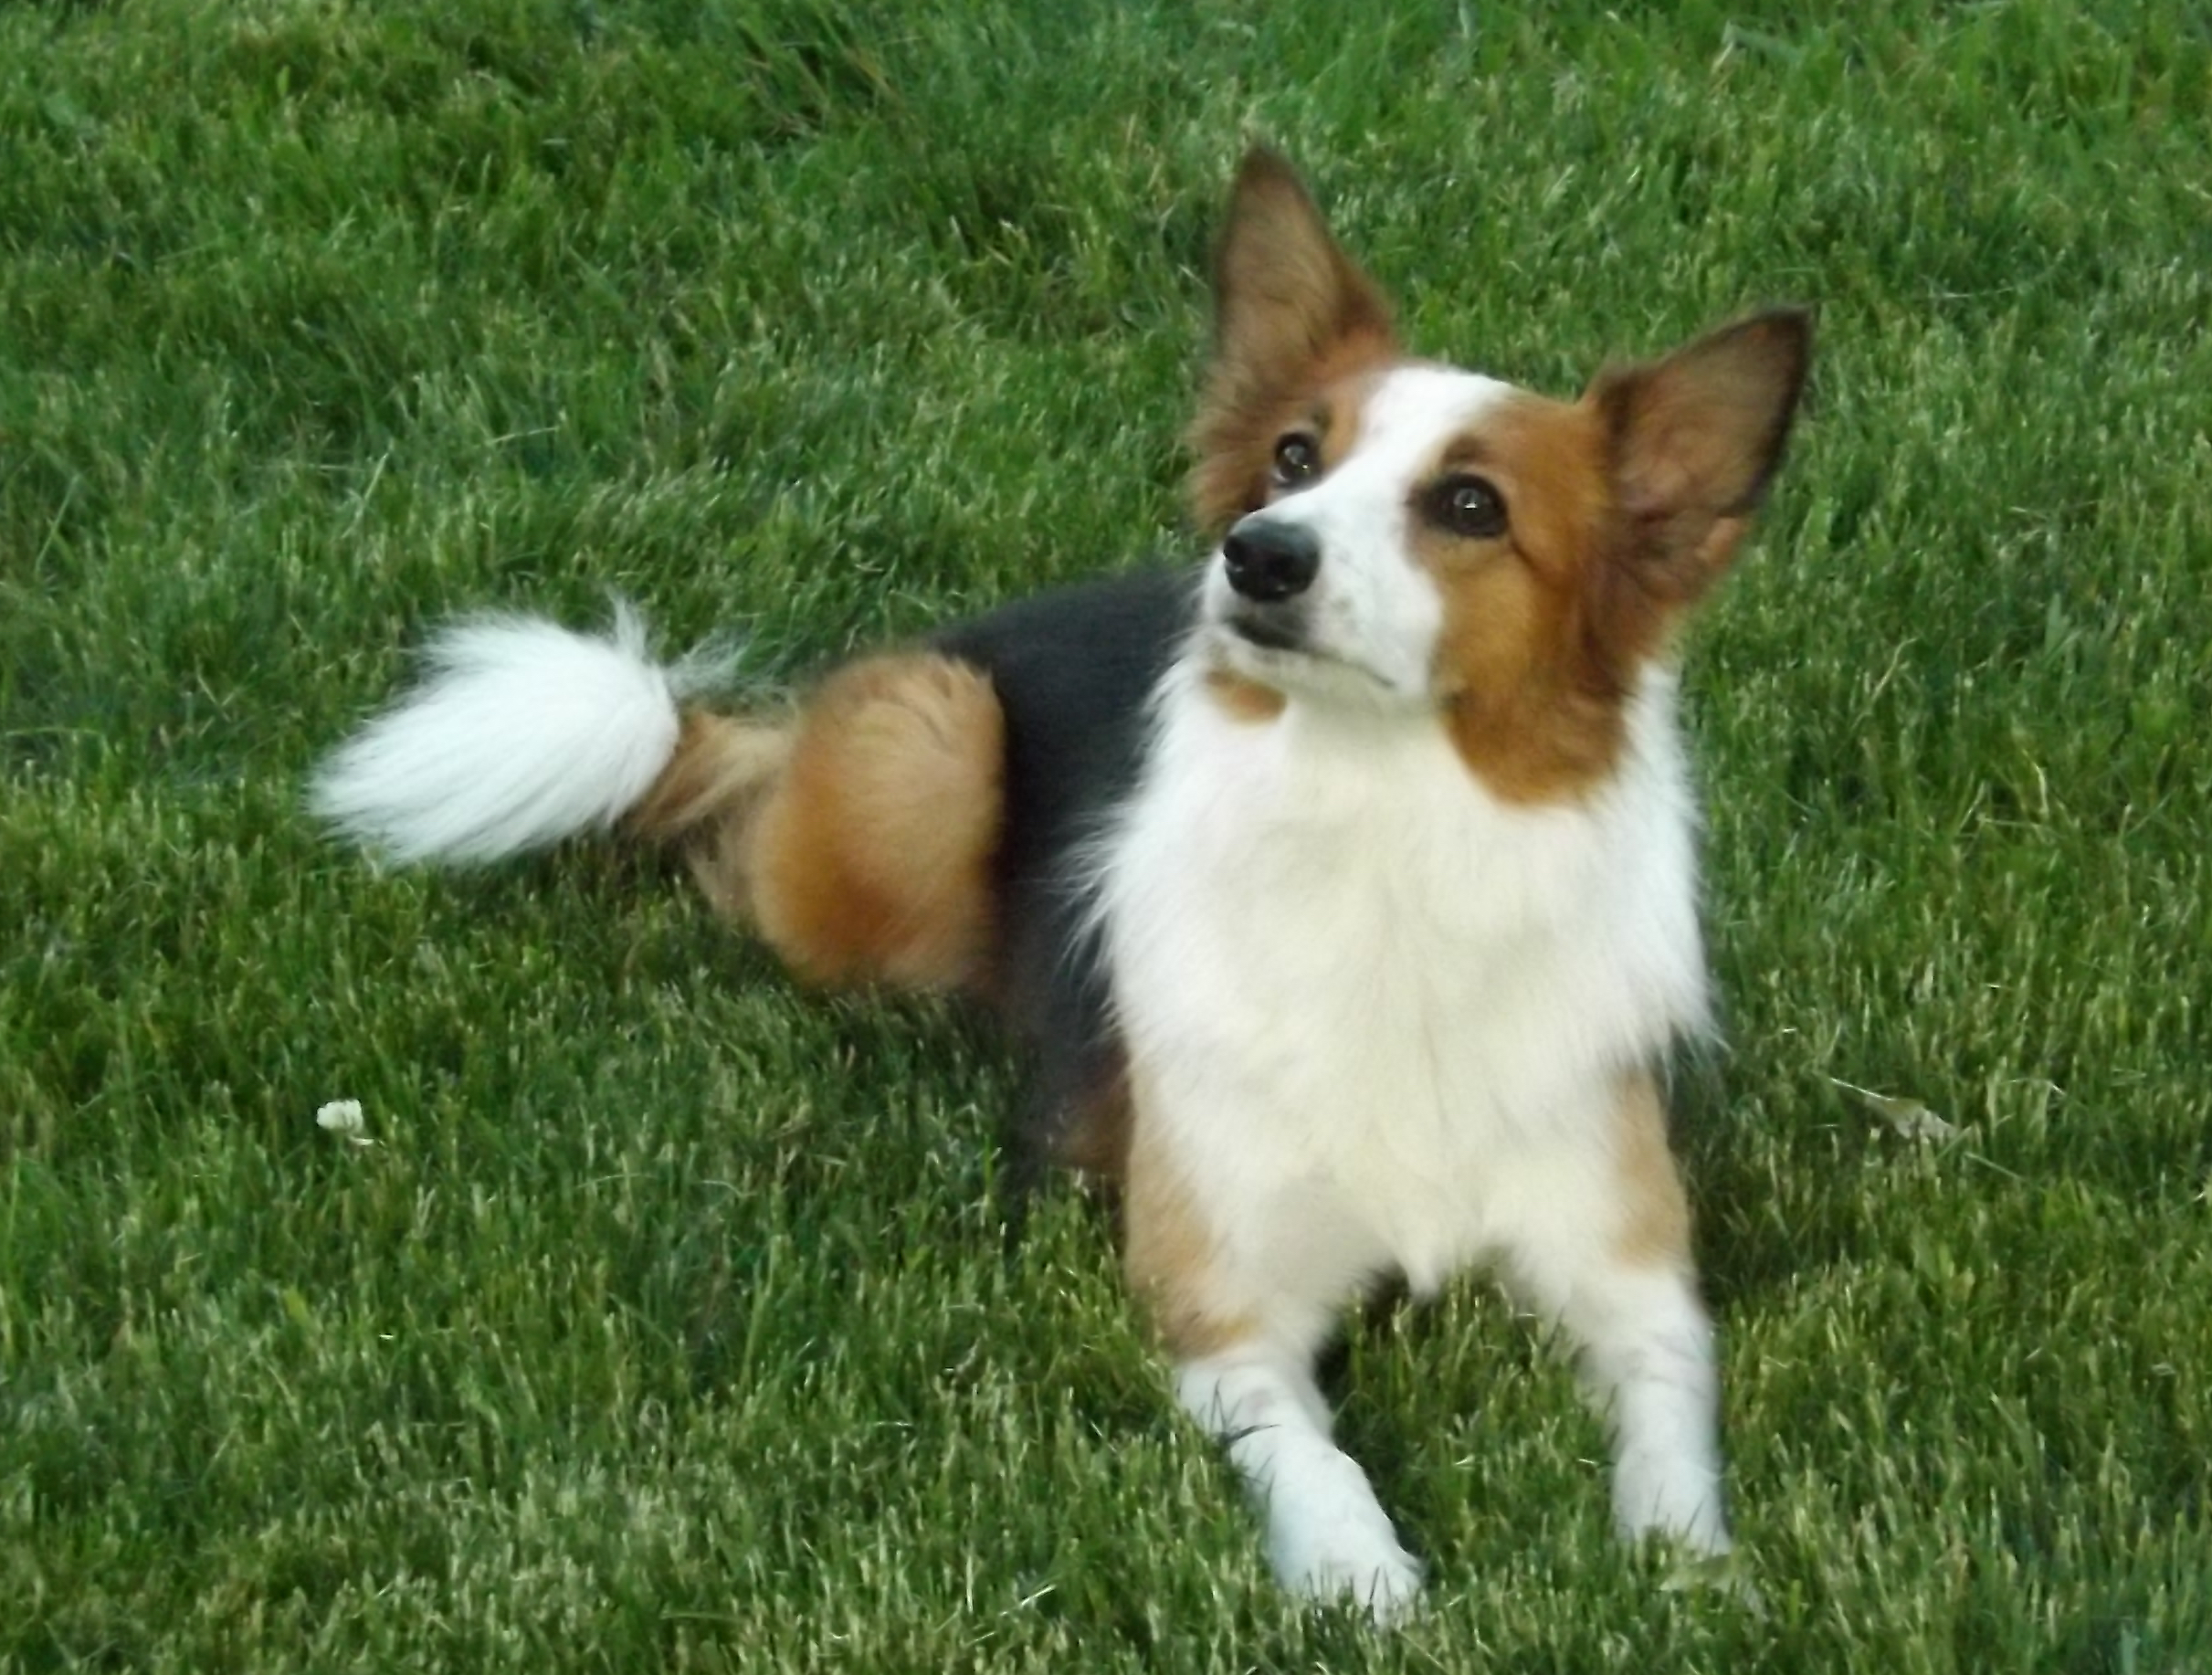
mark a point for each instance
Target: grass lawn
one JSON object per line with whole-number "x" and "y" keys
{"x": 667, "y": 1323}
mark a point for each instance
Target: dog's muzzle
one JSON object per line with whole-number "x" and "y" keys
{"x": 1267, "y": 562}
{"x": 1268, "y": 565}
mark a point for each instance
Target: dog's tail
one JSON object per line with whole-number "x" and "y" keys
{"x": 523, "y": 733}
{"x": 860, "y": 837}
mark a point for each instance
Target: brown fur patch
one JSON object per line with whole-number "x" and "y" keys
{"x": 1168, "y": 1251}
{"x": 1532, "y": 702}
{"x": 1655, "y": 1228}
{"x": 1696, "y": 438}
{"x": 1293, "y": 317}
{"x": 870, "y": 860}
{"x": 1621, "y": 510}
{"x": 1095, "y": 1137}
{"x": 709, "y": 793}
{"x": 718, "y": 760}
{"x": 1242, "y": 698}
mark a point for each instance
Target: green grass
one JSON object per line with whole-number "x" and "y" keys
{"x": 669, "y": 1325}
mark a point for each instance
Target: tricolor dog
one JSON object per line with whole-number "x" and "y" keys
{"x": 1343, "y": 887}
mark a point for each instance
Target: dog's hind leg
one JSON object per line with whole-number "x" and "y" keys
{"x": 859, "y": 839}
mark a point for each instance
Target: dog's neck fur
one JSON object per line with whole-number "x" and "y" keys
{"x": 1362, "y": 957}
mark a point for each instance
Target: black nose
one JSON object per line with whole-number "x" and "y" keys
{"x": 1270, "y": 561}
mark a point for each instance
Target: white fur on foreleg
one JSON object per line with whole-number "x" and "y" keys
{"x": 1646, "y": 1363}
{"x": 1328, "y": 1537}
{"x": 1649, "y": 1353}
{"x": 1669, "y": 1492}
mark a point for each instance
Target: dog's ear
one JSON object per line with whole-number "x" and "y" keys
{"x": 1693, "y": 440}
{"x": 1292, "y": 312}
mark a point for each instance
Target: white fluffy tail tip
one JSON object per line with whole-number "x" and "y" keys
{"x": 520, "y": 733}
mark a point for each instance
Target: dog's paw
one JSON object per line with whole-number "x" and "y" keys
{"x": 1346, "y": 1552}
{"x": 1721, "y": 1575}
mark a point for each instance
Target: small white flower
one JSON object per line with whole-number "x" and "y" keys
{"x": 342, "y": 1118}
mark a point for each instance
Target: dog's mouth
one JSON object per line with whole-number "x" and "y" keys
{"x": 1288, "y": 644}
{"x": 1278, "y": 649}
{"x": 1272, "y": 631}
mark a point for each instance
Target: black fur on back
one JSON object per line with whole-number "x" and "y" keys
{"x": 1074, "y": 670}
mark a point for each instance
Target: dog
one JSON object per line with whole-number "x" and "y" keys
{"x": 1344, "y": 888}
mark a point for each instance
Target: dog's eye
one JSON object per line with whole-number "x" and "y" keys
{"x": 1297, "y": 459}
{"x": 1470, "y": 506}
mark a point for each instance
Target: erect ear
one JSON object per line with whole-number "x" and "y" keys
{"x": 1694, "y": 440}
{"x": 1292, "y": 311}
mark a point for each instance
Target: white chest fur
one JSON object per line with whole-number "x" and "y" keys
{"x": 1370, "y": 1004}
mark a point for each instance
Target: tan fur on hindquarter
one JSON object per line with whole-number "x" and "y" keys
{"x": 720, "y": 761}
{"x": 870, "y": 860}
{"x": 708, "y": 795}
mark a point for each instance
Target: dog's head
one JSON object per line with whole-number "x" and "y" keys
{"x": 1407, "y": 536}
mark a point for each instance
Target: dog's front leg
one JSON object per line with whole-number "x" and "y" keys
{"x": 1244, "y": 1355}
{"x": 1647, "y": 1360}
{"x": 1328, "y": 1537}
{"x": 1602, "y": 1248}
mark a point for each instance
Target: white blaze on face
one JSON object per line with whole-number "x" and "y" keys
{"x": 1372, "y": 615}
